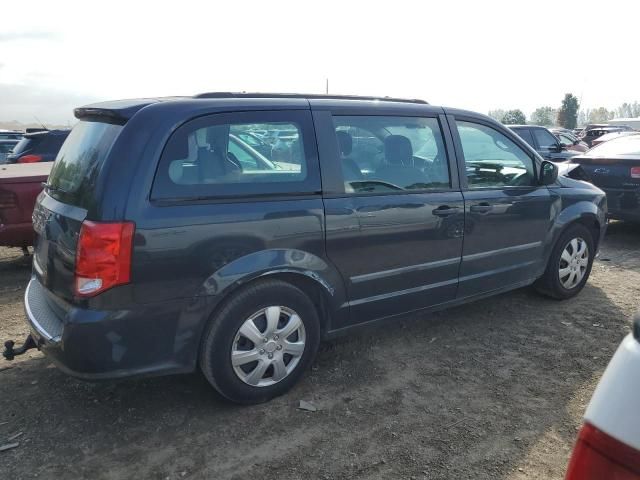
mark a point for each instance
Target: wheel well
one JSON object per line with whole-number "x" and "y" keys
{"x": 311, "y": 288}
{"x": 592, "y": 225}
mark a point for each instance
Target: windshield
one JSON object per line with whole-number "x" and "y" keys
{"x": 78, "y": 163}
{"x": 619, "y": 146}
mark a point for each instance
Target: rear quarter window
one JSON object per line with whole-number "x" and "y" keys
{"x": 208, "y": 157}
{"x": 73, "y": 177}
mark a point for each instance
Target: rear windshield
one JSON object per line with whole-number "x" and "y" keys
{"x": 78, "y": 163}
{"x": 618, "y": 146}
{"x": 25, "y": 144}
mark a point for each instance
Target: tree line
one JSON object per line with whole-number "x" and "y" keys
{"x": 568, "y": 115}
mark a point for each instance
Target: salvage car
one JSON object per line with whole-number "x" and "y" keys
{"x": 544, "y": 142}
{"x": 6, "y": 147}
{"x": 40, "y": 146}
{"x": 157, "y": 252}
{"x": 614, "y": 166}
{"x": 610, "y": 136}
{"x": 568, "y": 140}
{"x": 608, "y": 445}
{"x": 19, "y": 188}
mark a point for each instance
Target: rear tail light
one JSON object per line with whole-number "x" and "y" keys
{"x": 103, "y": 256}
{"x": 30, "y": 159}
{"x": 635, "y": 172}
{"x": 8, "y": 199}
{"x": 599, "y": 456}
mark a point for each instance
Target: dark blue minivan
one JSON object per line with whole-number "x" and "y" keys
{"x": 166, "y": 240}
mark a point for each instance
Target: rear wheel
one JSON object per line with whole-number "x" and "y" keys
{"x": 569, "y": 265}
{"x": 259, "y": 344}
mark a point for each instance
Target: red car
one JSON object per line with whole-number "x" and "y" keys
{"x": 20, "y": 184}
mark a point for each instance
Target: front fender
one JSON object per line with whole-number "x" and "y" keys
{"x": 587, "y": 207}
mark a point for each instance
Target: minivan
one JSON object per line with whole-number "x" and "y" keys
{"x": 164, "y": 245}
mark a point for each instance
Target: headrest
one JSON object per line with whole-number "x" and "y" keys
{"x": 345, "y": 143}
{"x": 398, "y": 150}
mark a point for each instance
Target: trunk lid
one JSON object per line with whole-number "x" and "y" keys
{"x": 70, "y": 192}
{"x": 614, "y": 172}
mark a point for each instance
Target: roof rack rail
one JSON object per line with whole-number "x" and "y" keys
{"x": 304, "y": 95}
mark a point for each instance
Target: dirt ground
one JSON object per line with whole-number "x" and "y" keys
{"x": 492, "y": 390}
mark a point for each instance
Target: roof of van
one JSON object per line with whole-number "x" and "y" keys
{"x": 119, "y": 111}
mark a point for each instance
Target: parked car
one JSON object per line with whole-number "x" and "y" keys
{"x": 569, "y": 141}
{"x": 255, "y": 142}
{"x": 614, "y": 166}
{"x": 6, "y": 147}
{"x": 608, "y": 445}
{"x": 610, "y": 136}
{"x": 38, "y": 147}
{"x": 19, "y": 187}
{"x": 544, "y": 142}
{"x": 10, "y": 135}
{"x": 596, "y": 126}
{"x": 157, "y": 253}
{"x": 593, "y": 134}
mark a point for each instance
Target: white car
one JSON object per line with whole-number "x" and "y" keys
{"x": 608, "y": 445}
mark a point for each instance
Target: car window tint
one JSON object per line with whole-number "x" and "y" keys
{"x": 212, "y": 157}
{"x": 492, "y": 159}
{"x": 391, "y": 154}
{"x": 565, "y": 140}
{"x": 544, "y": 138}
{"x": 525, "y": 134}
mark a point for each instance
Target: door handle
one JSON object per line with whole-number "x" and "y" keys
{"x": 481, "y": 208}
{"x": 445, "y": 211}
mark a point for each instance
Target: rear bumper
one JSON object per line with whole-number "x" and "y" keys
{"x": 623, "y": 204}
{"x": 16, "y": 235}
{"x": 614, "y": 405}
{"x": 94, "y": 345}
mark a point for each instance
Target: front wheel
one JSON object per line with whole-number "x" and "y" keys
{"x": 570, "y": 264}
{"x": 259, "y": 344}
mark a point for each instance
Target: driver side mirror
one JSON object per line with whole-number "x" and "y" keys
{"x": 548, "y": 173}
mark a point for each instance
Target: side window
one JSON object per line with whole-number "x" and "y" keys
{"x": 211, "y": 157}
{"x": 388, "y": 154}
{"x": 492, "y": 159}
{"x": 525, "y": 134}
{"x": 545, "y": 140}
{"x": 565, "y": 140}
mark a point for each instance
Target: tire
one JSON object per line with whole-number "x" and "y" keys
{"x": 556, "y": 282}
{"x": 286, "y": 358}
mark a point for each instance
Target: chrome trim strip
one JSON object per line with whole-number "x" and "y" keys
{"x": 32, "y": 319}
{"x": 386, "y": 296}
{"x": 397, "y": 271}
{"x": 489, "y": 253}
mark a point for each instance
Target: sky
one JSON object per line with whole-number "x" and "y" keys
{"x": 477, "y": 55}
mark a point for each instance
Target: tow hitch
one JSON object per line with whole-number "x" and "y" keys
{"x": 10, "y": 353}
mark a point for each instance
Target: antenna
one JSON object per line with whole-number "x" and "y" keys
{"x": 41, "y": 124}
{"x": 327, "y": 87}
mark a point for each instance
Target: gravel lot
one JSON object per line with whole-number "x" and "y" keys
{"x": 493, "y": 390}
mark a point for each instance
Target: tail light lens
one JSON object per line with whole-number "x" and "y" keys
{"x": 635, "y": 172}
{"x": 103, "y": 256}
{"x": 8, "y": 199}
{"x": 30, "y": 159}
{"x": 598, "y": 456}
